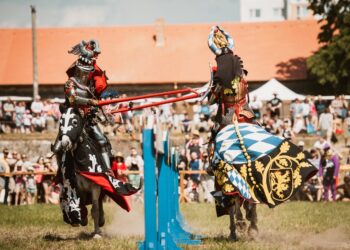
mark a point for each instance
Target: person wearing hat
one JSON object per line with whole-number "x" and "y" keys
{"x": 134, "y": 162}
{"x": 119, "y": 167}
{"x": 301, "y": 145}
{"x": 328, "y": 171}
{"x": 195, "y": 144}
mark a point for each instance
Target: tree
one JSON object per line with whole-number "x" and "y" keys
{"x": 331, "y": 63}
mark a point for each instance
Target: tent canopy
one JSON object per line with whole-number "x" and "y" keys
{"x": 266, "y": 91}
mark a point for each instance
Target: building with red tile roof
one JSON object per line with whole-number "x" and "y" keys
{"x": 161, "y": 53}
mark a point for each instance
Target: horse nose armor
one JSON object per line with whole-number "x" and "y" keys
{"x": 66, "y": 143}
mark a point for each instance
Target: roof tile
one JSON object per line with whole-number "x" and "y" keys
{"x": 130, "y": 55}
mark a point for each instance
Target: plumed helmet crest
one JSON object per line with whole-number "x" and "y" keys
{"x": 87, "y": 51}
{"x": 219, "y": 39}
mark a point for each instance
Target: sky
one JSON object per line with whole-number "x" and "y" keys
{"x": 64, "y": 13}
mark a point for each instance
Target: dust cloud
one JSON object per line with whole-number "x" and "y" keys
{"x": 127, "y": 224}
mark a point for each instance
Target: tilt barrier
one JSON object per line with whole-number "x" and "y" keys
{"x": 164, "y": 223}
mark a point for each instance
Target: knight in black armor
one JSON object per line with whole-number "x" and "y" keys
{"x": 83, "y": 89}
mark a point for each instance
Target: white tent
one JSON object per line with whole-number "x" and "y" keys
{"x": 266, "y": 91}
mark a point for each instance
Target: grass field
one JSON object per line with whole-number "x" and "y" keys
{"x": 295, "y": 225}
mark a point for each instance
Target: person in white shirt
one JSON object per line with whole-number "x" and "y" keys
{"x": 321, "y": 144}
{"x": 305, "y": 109}
{"x": 134, "y": 162}
{"x": 38, "y": 123}
{"x": 27, "y": 121}
{"x": 37, "y": 106}
{"x": 299, "y": 125}
{"x": 337, "y": 106}
{"x": 256, "y": 106}
{"x": 9, "y": 110}
{"x": 325, "y": 124}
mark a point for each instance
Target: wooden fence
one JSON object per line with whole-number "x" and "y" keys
{"x": 182, "y": 173}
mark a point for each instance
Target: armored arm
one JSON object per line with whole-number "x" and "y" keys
{"x": 214, "y": 94}
{"x": 72, "y": 96}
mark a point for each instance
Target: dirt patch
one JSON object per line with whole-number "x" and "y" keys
{"x": 335, "y": 238}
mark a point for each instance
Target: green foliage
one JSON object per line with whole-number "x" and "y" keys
{"x": 331, "y": 63}
{"x": 334, "y": 14}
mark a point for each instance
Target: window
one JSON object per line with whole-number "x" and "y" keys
{"x": 255, "y": 13}
{"x": 301, "y": 11}
{"x": 277, "y": 12}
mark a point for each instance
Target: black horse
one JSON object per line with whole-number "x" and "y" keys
{"x": 84, "y": 177}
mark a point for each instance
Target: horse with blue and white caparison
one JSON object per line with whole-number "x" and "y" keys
{"x": 84, "y": 177}
{"x": 254, "y": 166}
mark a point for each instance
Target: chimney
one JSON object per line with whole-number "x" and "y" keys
{"x": 159, "y": 36}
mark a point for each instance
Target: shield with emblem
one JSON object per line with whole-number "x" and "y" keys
{"x": 281, "y": 183}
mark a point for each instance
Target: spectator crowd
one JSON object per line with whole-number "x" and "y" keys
{"x": 24, "y": 117}
{"x": 324, "y": 121}
{"x": 26, "y": 182}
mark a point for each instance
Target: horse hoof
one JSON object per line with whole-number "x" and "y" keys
{"x": 97, "y": 236}
{"x": 241, "y": 226}
{"x": 84, "y": 221}
{"x": 101, "y": 222}
{"x": 252, "y": 232}
{"x": 233, "y": 237}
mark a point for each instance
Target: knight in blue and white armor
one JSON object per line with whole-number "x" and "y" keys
{"x": 247, "y": 161}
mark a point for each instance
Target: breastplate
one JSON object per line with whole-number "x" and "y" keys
{"x": 83, "y": 93}
{"x": 81, "y": 90}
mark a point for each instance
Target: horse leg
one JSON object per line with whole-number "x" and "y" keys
{"x": 240, "y": 224}
{"x": 233, "y": 235}
{"x": 101, "y": 219}
{"x": 251, "y": 215}
{"x": 83, "y": 209}
{"x": 96, "y": 191}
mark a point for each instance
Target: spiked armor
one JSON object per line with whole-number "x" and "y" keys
{"x": 229, "y": 89}
{"x": 83, "y": 88}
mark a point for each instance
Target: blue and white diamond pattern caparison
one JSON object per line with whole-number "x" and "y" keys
{"x": 238, "y": 181}
{"x": 257, "y": 141}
